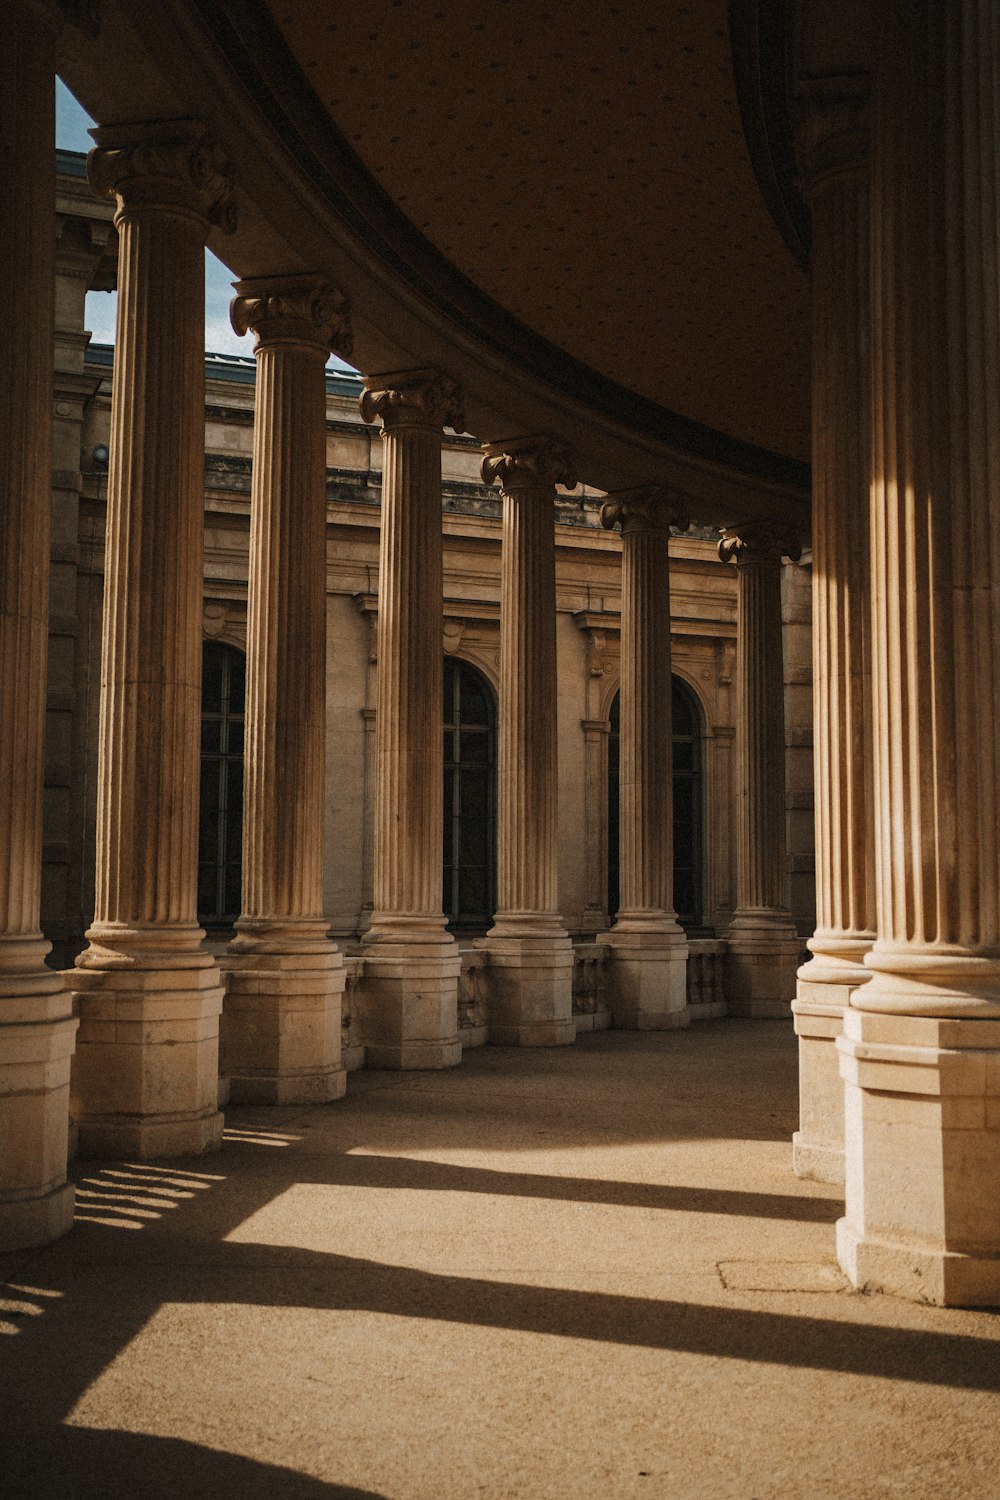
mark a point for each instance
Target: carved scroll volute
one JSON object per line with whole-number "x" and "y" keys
{"x": 646, "y": 508}
{"x": 163, "y": 164}
{"x": 413, "y": 398}
{"x": 538, "y": 463}
{"x": 759, "y": 541}
{"x": 293, "y": 310}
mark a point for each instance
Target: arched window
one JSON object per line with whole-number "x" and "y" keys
{"x": 220, "y": 830}
{"x": 469, "y": 796}
{"x": 687, "y": 805}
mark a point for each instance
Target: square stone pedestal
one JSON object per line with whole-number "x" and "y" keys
{"x": 647, "y": 979}
{"x": 145, "y": 1080}
{"x": 825, "y": 986}
{"x": 922, "y": 1158}
{"x": 36, "y": 1046}
{"x": 530, "y": 987}
{"x": 281, "y": 1027}
{"x": 761, "y": 966}
{"x": 407, "y": 1007}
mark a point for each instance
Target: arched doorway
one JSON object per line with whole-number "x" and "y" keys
{"x": 220, "y": 826}
{"x": 469, "y": 796}
{"x": 687, "y": 805}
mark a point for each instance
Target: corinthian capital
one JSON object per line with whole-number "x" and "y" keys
{"x": 759, "y": 541}
{"x": 413, "y": 398}
{"x": 540, "y": 462}
{"x": 293, "y": 309}
{"x": 163, "y": 164}
{"x": 650, "y": 507}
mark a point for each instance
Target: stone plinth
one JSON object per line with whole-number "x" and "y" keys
{"x": 409, "y": 993}
{"x": 36, "y": 1025}
{"x": 833, "y": 148}
{"x": 647, "y": 972}
{"x": 531, "y": 957}
{"x": 149, "y": 994}
{"x": 284, "y": 977}
{"x": 763, "y": 950}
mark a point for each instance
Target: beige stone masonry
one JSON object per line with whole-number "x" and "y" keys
{"x": 834, "y": 151}
{"x": 921, "y": 1045}
{"x": 531, "y": 957}
{"x": 149, "y": 994}
{"x": 763, "y": 950}
{"x": 284, "y": 977}
{"x": 647, "y": 974}
{"x": 36, "y": 1026}
{"x": 408, "y": 998}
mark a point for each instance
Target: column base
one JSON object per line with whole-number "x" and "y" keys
{"x": 407, "y": 1002}
{"x": 28, "y": 1222}
{"x": 762, "y": 958}
{"x": 37, "y": 1033}
{"x": 922, "y": 1157}
{"x": 281, "y": 1022}
{"x": 647, "y": 977}
{"x": 824, "y": 989}
{"x": 146, "y": 1073}
{"x": 530, "y": 986}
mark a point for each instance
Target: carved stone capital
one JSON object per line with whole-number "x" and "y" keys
{"x": 759, "y": 541}
{"x": 413, "y": 398}
{"x": 293, "y": 309}
{"x": 167, "y": 164}
{"x": 833, "y": 127}
{"x": 650, "y": 507}
{"x": 529, "y": 463}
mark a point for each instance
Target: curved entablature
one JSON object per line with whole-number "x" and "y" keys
{"x": 307, "y": 201}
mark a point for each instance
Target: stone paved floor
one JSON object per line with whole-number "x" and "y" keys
{"x": 571, "y": 1273}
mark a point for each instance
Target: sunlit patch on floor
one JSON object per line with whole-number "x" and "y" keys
{"x": 239, "y": 1135}
{"x": 128, "y": 1196}
{"x": 15, "y": 1310}
{"x": 781, "y": 1276}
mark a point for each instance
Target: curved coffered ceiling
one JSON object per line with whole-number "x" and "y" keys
{"x": 553, "y": 200}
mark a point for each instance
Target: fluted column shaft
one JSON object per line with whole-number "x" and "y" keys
{"x": 296, "y": 320}
{"x": 150, "y": 717}
{"x": 409, "y": 996}
{"x": 834, "y": 149}
{"x": 646, "y": 760}
{"x": 409, "y": 796}
{"x": 281, "y": 1027}
{"x": 648, "y": 980}
{"x": 36, "y": 1028}
{"x": 148, "y": 1084}
{"x": 839, "y": 201}
{"x": 935, "y": 543}
{"x": 527, "y": 749}
{"x": 763, "y": 948}
{"x": 920, "y": 1052}
{"x": 531, "y": 957}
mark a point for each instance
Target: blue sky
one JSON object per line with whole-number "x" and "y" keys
{"x": 72, "y": 124}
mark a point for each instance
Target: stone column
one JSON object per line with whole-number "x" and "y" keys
{"x": 921, "y": 1045}
{"x": 834, "y": 153}
{"x": 149, "y": 995}
{"x": 284, "y": 977}
{"x": 762, "y": 947}
{"x": 647, "y": 979}
{"x": 531, "y": 957}
{"x": 36, "y": 1025}
{"x": 409, "y": 997}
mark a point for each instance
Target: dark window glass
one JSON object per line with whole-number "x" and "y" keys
{"x": 687, "y": 786}
{"x": 220, "y": 829}
{"x": 469, "y": 796}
